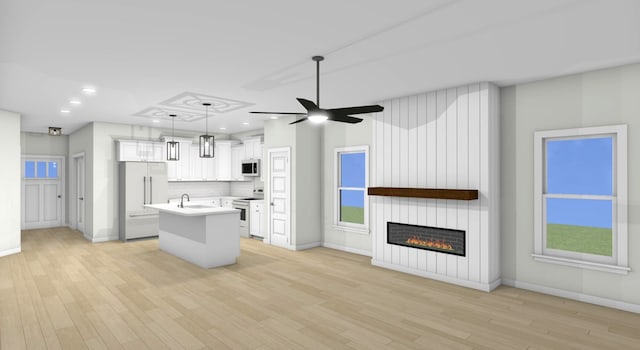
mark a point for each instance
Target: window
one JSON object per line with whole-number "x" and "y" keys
{"x": 40, "y": 169}
{"x": 351, "y": 179}
{"x": 580, "y": 198}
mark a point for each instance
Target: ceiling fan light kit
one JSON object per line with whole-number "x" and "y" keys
{"x": 173, "y": 147}
{"x": 207, "y": 147}
{"x": 317, "y": 115}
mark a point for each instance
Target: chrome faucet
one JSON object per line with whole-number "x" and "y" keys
{"x": 182, "y": 198}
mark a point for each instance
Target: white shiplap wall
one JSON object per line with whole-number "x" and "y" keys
{"x": 442, "y": 139}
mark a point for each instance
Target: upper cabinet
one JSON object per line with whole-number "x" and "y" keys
{"x": 253, "y": 148}
{"x": 223, "y": 160}
{"x": 237, "y": 155}
{"x": 139, "y": 151}
{"x": 225, "y": 166}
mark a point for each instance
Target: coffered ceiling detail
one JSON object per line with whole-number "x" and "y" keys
{"x": 194, "y": 100}
{"x": 163, "y": 114}
{"x": 187, "y": 107}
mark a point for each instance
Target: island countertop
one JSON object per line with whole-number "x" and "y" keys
{"x": 191, "y": 209}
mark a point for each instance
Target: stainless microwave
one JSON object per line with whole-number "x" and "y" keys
{"x": 251, "y": 167}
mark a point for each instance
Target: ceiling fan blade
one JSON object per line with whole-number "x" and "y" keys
{"x": 299, "y": 120}
{"x": 344, "y": 118}
{"x": 308, "y": 105}
{"x": 357, "y": 109}
{"x": 287, "y": 113}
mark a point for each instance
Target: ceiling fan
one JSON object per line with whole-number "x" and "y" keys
{"x": 316, "y": 114}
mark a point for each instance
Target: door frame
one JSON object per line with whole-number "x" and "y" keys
{"x": 62, "y": 176}
{"x": 73, "y": 192}
{"x": 267, "y": 239}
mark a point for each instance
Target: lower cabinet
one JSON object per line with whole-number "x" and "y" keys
{"x": 255, "y": 217}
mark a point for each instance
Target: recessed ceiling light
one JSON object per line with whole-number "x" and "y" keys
{"x": 274, "y": 117}
{"x": 223, "y": 128}
{"x": 245, "y": 123}
{"x": 89, "y": 91}
{"x": 74, "y": 101}
{"x": 155, "y": 121}
{"x": 65, "y": 111}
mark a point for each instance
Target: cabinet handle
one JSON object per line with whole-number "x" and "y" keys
{"x": 150, "y": 189}
{"x": 144, "y": 190}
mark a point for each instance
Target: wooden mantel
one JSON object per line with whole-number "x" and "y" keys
{"x": 437, "y": 193}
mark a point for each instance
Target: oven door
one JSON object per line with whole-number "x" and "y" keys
{"x": 244, "y": 211}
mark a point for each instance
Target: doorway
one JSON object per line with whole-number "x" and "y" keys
{"x": 280, "y": 197}
{"x": 43, "y": 181}
{"x": 78, "y": 197}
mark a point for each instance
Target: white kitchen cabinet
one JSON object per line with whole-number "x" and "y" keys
{"x": 237, "y": 155}
{"x": 195, "y": 163}
{"x": 209, "y": 169}
{"x": 223, "y": 160}
{"x": 179, "y": 170}
{"x": 256, "y": 209}
{"x": 253, "y": 148}
{"x": 139, "y": 151}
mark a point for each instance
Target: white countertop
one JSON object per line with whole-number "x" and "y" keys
{"x": 191, "y": 209}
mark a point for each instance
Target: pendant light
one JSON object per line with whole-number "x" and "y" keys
{"x": 173, "y": 147}
{"x": 206, "y": 140}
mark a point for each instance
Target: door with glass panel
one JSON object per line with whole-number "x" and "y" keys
{"x": 42, "y": 189}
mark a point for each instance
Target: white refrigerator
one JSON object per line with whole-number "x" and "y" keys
{"x": 140, "y": 183}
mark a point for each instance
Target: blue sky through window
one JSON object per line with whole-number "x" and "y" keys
{"x": 352, "y": 174}
{"x": 580, "y": 166}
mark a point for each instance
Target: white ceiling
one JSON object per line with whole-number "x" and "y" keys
{"x": 140, "y": 54}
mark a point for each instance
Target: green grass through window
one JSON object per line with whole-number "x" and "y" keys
{"x": 581, "y": 239}
{"x": 352, "y": 214}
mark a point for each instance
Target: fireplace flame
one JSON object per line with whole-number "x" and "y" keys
{"x": 429, "y": 243}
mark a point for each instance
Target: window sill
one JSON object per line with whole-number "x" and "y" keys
{"x": 362, "y": 231}
{"x": 621, "y": 270}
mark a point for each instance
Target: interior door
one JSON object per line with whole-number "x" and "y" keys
{"x": 279, "y": 197}
{"x": 80, "y": 189}
{"x": 42, "y": 188}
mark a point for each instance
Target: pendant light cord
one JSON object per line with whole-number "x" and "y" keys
{"x": 206, "y": 120}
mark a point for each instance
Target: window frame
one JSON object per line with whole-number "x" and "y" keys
{"x": 617, "y": 263}
{"x": 349, "y": 226}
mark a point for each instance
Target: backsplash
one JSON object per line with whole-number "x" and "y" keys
{"x": 197, "y": 189}
{"x": 245, "y": 188}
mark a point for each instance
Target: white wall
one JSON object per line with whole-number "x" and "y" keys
{"x": 603, "y": 97}
{"x": 197, "y": 189}
{"x": 442, "y": 139}
{"x": 308, "y": 184}
{"x": 10, "y": 178}
{"x": 43, "y": 144}
{"x": 337, "y": 135}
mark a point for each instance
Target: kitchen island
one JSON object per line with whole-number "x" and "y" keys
{"x": 204, "y": 235}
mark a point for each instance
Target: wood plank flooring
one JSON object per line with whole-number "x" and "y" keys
{"x": 63, "y": 292}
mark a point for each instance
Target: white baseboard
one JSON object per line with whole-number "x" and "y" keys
{"x": 485, "y": 287}
{"x": 346, "y": 249}
{"x": 11, "y": 251}
{"x": 591, "y": 299}
{"x": 306, "y": 246}
{"x": 103, "y": 239}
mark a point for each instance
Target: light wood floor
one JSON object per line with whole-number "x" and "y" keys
{"x": 64, "y": 292}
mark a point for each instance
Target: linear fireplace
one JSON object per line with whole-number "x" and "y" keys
{"x": 436, "y": 239}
